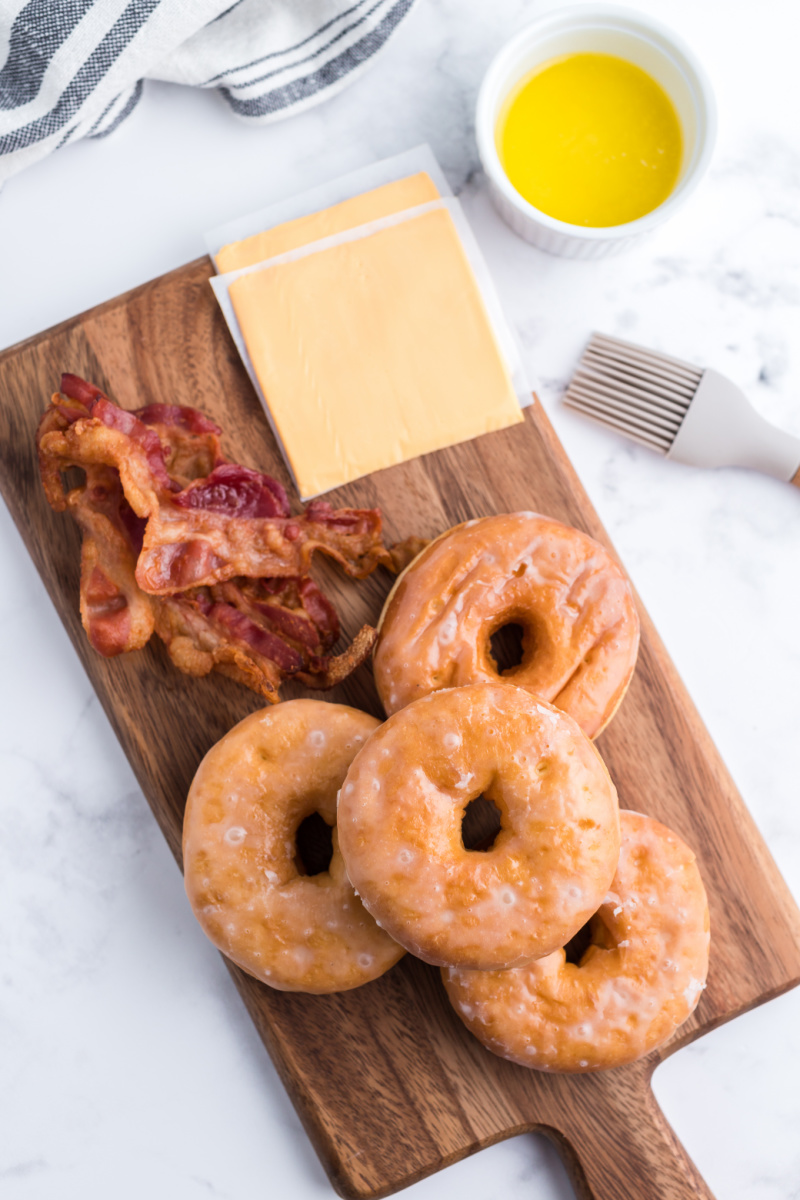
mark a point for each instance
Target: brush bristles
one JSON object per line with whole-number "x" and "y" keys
{"x": 642, "y": 394}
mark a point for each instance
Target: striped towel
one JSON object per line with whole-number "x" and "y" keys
{"x": 76, "y": 68}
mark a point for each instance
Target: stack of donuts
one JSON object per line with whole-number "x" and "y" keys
{"x": 575, "y": 939}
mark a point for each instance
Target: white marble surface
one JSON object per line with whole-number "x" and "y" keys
{"x": 128, "y": 1066}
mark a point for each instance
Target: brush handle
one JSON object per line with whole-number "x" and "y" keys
{"x": 722, "y": 429}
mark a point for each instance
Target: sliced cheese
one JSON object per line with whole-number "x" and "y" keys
{"x": 383, "y": 201}
{"x": 374, "y": 351}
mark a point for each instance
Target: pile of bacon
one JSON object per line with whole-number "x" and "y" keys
{"x": 201, "y": 551}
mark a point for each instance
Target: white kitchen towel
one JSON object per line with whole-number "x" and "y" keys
{"x": 76, "y": 68}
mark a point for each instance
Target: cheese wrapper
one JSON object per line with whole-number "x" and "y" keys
{"x": 396, "y": 196}
{"x": 329, "y": 195}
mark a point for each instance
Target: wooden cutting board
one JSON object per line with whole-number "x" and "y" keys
{"x": 388, "y": 1083}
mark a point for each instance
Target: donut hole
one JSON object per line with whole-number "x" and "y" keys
{"x": 594, "y": 933}
{"x": 313, "y": 845}
{"x": 577, "y": 946}
{"x": 507, "y": 647}
{"x": 480, "y": 824}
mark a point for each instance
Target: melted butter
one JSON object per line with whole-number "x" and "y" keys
{"x": 590, "y": 139}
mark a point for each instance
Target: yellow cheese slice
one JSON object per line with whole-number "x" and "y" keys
{"x": 374, "y": 351}
{"x": 359, "y": 210}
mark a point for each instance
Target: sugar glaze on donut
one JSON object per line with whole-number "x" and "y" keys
{"x": 638, "y": 980}
{"x": 573, "y": 601}
{"x": 400, "y": 827}
{"x": 295, "y": 932}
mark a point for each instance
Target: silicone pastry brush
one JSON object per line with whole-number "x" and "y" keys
{"x": 694, "y": 416}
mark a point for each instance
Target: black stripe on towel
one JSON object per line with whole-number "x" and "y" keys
{"x": 39, "y": 30}
{"x": 102, "y": 58}
{"x": 289, "y": 49}
{"x": 300, "y": 89}
{"x": 320, "y": 52}
{"x": 125, "y": 111}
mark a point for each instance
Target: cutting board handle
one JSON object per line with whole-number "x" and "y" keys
{"x": 617, "y": 1144}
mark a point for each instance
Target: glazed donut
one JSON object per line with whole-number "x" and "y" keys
{"x": 638, "y": 980}
{"x": 574, "y": 603}
{"x": 298, "y": 933}
{"x": 400, "y": 827}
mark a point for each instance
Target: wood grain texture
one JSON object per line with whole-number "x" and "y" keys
{"x": 389, "y": 1084}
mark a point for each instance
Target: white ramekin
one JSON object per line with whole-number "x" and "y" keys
{"x": 604, "y": 29}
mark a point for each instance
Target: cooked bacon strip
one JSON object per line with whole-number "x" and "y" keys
{"x": 320, "y": 609}
{"x": 231, "y": 524}
{"x": 78, "y": 389}
{"x": 263, "y": 643}
{"x": 202, "y": 551}
{"x": 173, "y": 424}
{"x": 116, "y": 614}
{"x": 172, "y": 443}
{"x": 191, "y": 441}
{"x": 105, "y": 439}
{"x": 111, "y": 416}
{"x": 234, "y": 491}
{"x": 338, "y": 668}
{"x": 177, "y": 416}
{"x": 293, "y": 608}
{"x": 197, "y": 647}
{"x": 50, "y": 466}
{"x": 220, "y": 629}
{"x": 83, "y": 393}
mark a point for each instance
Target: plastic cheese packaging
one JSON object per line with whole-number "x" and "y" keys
{"x": 288, "y": 217}
{"x": 376, "y": 344}
{"x": 383, "y": 201}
